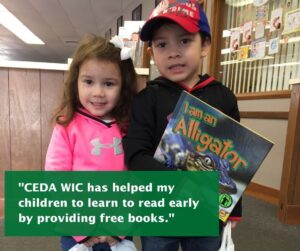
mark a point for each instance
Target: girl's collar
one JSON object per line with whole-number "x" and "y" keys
{"x": 86, "y": 113}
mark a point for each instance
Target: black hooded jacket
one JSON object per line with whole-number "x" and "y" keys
{"x": 151, "y": 109}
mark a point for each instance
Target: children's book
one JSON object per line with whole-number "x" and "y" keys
{"x": 199, "y": 137}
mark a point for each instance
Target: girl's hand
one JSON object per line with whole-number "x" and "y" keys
{"x": 111, "y": 241}
{"x": 91, "y": 241}
{"x": 100, "y": 239}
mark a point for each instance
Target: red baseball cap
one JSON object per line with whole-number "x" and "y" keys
{"x": 186, "y": 13}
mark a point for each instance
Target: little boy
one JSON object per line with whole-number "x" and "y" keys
{"x": 179, "y": 38}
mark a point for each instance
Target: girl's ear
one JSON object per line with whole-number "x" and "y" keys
{"x": 205, "y": 49}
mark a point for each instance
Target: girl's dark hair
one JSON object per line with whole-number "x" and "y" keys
{"x": 97, "y": 47}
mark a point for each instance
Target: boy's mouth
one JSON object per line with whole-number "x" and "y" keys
{"x": 176, "y": 67}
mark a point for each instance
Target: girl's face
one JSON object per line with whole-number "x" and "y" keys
{"x": 99, "y": 87}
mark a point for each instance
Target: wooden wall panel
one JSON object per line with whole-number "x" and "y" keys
{"x": 25, "y": 124}
{"x": 289, "y": 211}
{"x": 4, "y": 128}
{"x": 51, "y": 93}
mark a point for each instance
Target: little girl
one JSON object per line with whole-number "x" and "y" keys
{"x": 95, "y": 108}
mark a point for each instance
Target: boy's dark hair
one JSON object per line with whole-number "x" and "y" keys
{"x": 205, "y": 37}
{"x": 97, "y": 47}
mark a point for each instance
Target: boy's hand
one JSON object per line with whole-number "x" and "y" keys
{"x": 233, "y": 224}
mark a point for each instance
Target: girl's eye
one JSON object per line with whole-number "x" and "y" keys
{"x": 88, "y": 81}
{"x": 108, "y": 84}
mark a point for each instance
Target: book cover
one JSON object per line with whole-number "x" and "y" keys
{"x": 199, "y": 137}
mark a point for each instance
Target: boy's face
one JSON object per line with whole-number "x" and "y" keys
{"x": 178, "y": 54}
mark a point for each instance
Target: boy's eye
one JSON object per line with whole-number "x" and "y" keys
{"x": 185, "y": 40}
{"x": 160, "y": 44}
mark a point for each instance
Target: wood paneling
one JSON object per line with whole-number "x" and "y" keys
{"x": 27, "y": 100}
{"x": 25, "y": 122}
{"x": 4, "y": 128}
{"x": 214, "y": 57}
{"x": 264, "y": 95}
{"x": 264, "y": 193}
{"x": 290, "y": 182}
{"x": 264, "y": 115}
{"x": 51, "y": 92}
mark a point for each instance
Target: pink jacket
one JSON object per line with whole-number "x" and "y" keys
{"x": 86, "y": 144}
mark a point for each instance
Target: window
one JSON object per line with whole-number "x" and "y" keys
{"x": 260, "y": 45}
{"x": 137, "y": 13}
{"x": 119, "y": 23}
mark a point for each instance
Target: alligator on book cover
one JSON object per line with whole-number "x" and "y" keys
{"x": 199, "y": 137}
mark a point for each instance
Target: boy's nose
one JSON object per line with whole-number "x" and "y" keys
{"x": 174, "y": 53}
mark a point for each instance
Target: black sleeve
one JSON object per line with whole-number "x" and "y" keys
{"x": 139, "y": 143}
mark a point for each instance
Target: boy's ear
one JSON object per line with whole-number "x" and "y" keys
{"x": 150, "y": 51}
{"x": 205, "y": 49}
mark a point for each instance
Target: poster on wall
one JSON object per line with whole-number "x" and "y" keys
{"x": 235, "y": 40}
{"x": 273, "y": 46}
{"x": 276, "y": 19}
{"x": 292, "y": 21}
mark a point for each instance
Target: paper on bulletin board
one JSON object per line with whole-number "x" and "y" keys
{"x": 273, "y": 46}
{"x": 235, "y": 40}
{"x": 243, "y": 52}
{"x": 247, "y": 32}
{"x": 259, "y": 2}
{"x": 262, "y": 13}
{"x": 258, "y": 49}
{"x": 292, "y": 21}
{"x": 276, "y": 19}
{"x": 259, "y": 30}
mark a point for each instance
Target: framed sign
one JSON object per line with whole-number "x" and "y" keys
{"x": 119, "y": 23}
{"x": 137, "y": 13}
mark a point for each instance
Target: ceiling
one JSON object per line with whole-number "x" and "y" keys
{"x": 59, "y": 23}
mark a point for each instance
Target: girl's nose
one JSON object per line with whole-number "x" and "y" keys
{"x": 98, "y": 91}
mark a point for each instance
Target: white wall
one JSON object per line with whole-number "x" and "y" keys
{"x": 147, "y": 7}
{"x": 269, "y": 174}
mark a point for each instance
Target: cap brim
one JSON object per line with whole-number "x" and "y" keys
{"x": 146, "y": 33}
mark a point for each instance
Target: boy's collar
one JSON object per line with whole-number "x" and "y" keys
{"x": 204, "y": 80}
